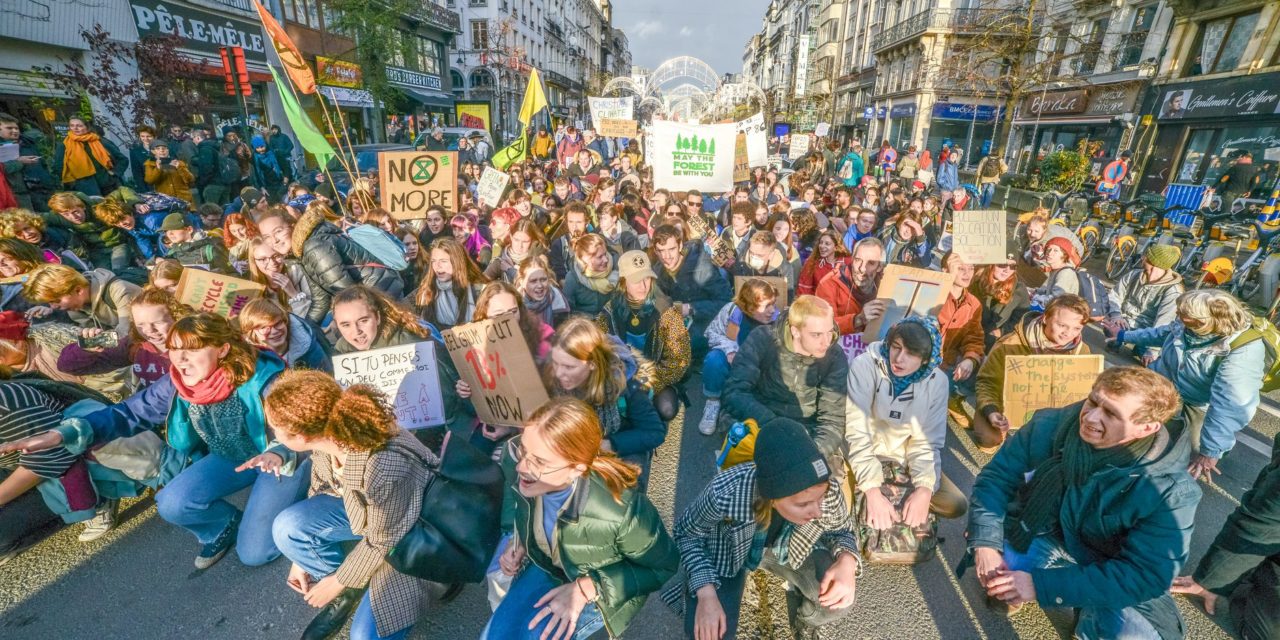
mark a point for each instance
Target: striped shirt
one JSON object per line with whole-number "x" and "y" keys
{"x": 26, "y": 412}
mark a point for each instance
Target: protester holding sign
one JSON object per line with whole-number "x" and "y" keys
{"x": 851, "y": 289}
{"x": 963, "y": 344}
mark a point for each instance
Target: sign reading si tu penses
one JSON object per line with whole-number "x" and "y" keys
{"x": 1040, "y": 382}
{"x": 209, "y": 292}
{"x": 407, "y": 374}
{"x": 414, "y": 181}
{"x": 978, "y": 237}
{"x": 493, "y": 357}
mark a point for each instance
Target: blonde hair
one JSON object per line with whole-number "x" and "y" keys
{"x": 111, "y": 212}
{"x": 49, "y": 282}
{"x": 1221, "y": 312}
{"x": 571, "y": 428}
{"x": 312, "y": 405}
{"x": 581, "y": 338}
{"x": 65, "y": 201}
{"x": 805, "y": 307}
{"x": 11, "y": 219}
{"x": 259, "y": 313}
{"x": 166, "y": 268}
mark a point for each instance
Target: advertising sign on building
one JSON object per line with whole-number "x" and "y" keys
{"x": 408, "y": 78}
{"x": 802, "y": 66}
{"x": 338, "y": 73}
{"x": 200, "y": 31}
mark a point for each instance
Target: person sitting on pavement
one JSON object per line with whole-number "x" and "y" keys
{"x": 539, "y": 292}
{"x": 302, "y": 345}
{"x": 1061, "y": 260}
{"x": 755, "y": 306}
{"x": 1034, "y": 531}
{"x": 827, "y": 256}
{"x": 851, "y": 290}
{"x": 92, "y": 300}
{"x": 1147, "y": 296}
{"x": 905, "y": 242}
{"x": 784, "y": 513}
{"x": 593, "y": 277}
{"x": 193, "y": 248}
{"x": 691, "y": 279}
{"x": 764, "y": 258}
{"x": 144, "y": 349}
{"x": 333, "y": 261}
{"x": 895, "y": 414}
{"x": 1003, "y": 297}
{"x": 792, "y": 370}
{"x": 963, "y": 341}
{"x": 73, "y": 214}
{"x": 1216, "y": 361}
{"x": 741, "y": 227}
{"x": 447, "y": 295}
{"x": 1056, "y": 331}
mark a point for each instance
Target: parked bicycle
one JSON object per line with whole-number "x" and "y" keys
{"x": 1152, "y": 227}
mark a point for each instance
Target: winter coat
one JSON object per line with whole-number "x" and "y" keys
{"x": 148, "y": 364}
{"x": 1128, "y": 529}
{"x": 910, "y": 429}
{"x": 205, "y": 163}
{"x": 621, "y": 545}
{"x": 859, "y": 168}
{"x": 108, "y": 306}
{"x": 770, "y": 380}
{"x": 961, "y": 324}
{"x": 307, "y": 348}
{"x": 1144, "y": 305}
{"x": 1059, "y": 282}
{"x": 582, "y": 298}
{"x": 990, "y": 385}
{"x": 836, "y": 288}
{"x": 731, "y": 327}
{"x": 138, "y": 157}
{"x": 667, "y": 343}
{"x": 15, "y": 174}
{"x": 814, "y": 270}
{"x": 96, "y": 240}
{"x": 104, "y": 181}
{"x": 908, "y": 167}
{"x": 335, "y": 262}
{"x": 915, "y": 253}
{"x": 206, "y": 251}
{"x": 1003, "y": 318}
{"x": 1223, "y": 381}
{"x": 948, "y": 175}
{"x": 776, "y": 267}
{"x": 696, "y": 282}
{"x": 170, "y": 179}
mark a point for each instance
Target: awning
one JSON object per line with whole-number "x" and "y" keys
{"x": 429, "y": 97}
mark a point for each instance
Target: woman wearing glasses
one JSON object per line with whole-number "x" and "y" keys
{"x": 285, "y": 281}
{"x": 587, "y": 548}
{"x": 298, "y": 342}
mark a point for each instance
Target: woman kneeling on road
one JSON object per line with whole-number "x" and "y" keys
{"x": 367, "y": 481}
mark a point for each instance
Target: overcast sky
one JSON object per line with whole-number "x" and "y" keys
{"x": 714, "y": 30}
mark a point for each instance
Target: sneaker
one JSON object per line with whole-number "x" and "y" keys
{"x": 211, "y": 553}
{"x": 103, "y": 521}
{"x": 710, "y": 413}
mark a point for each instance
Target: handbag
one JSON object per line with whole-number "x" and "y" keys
{"x": 899, "y": 544}
{"x": 459, "y": 525}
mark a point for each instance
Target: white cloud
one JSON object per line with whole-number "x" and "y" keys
{"x": 644, "y": 29}
{"x": 686, "y": 32}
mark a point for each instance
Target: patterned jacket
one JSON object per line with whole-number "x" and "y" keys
{"x": 382, "y": 493}
{"x": 715, "y": 533}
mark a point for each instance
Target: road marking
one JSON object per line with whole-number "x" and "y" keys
{"x": 1255, "y": 443}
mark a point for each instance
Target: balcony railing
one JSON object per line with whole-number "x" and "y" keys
{"x": 954, "y": 20}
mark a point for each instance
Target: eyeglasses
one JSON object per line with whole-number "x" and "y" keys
{"x": 694, "y": 203}
{"x": 536, "y": 467}
{"x": 272, "y": 259}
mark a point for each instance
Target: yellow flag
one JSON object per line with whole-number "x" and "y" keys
{"x": 534, "y": 99}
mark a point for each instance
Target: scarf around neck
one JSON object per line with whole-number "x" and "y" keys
{"x": 1040, "y": 343}
{"x": 602, "y": 281}
{"x": 216, "y": 388}
{"x": 900, "y": 384}
{"x": 80, "y": 153}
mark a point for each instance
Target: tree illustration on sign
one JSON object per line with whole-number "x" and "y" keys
{"x": 713, "y": 147}
{"x": 693, "y": 143}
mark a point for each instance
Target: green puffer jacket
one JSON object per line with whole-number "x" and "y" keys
{"x": 623, "y": 546}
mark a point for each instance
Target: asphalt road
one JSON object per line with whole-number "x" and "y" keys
{"x": 138, "y": 581}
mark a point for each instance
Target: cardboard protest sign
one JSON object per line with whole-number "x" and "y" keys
{"x": 492, "y": 357}
{"x": 853, "y": 345}
{"x": 617, "y": 128}
{"x": 1041, "y": 382}
{"x": 822, "y": 129}
{"x": 910, "y": 292}
{"x": 492, "y": 185}
{"x": 775, "y": 161}
{"x": 693, "y": 156}
{"x": 210, "y": 292}
{"x": 978, "y": 237}
{"x": 799, "y": 145}
{"x": 414, "y": 181}
{"x": 779, "y": 284}
{"x": 741, "y": 167}
{"x": 609, "y": 108}
{"x": 757, "y": 140}
{"x": 407, "y": 374}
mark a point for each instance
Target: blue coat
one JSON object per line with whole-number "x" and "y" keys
{"x": 948, "y": 176}
{"x": 1223, "y": 382}
{"x": 1129, "y": 529}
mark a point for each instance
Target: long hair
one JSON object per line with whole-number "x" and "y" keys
{"x": 24, "y": 253}
{"x": 531, "y": 324}
{"x": 259, "y": 313}
{"x": 256, "y": 274}
{"x": 986, "y": 284}
{"x": 465, "y": 274}
{"x": 391, "y": 316}
{"x": 202, "y": 330}
{"x": 153, "y": 296}
{"x": 572, "y": 429}
{"x": 311, "y": 404}
{"x": 581, "y": 338}
{"x": 250, "y": 229}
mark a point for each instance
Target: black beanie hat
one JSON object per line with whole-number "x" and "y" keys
{"x": 787, "y": 460}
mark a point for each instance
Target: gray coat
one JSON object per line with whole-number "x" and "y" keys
{"x": 1145, "y": 305}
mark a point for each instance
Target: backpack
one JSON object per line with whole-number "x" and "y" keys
{"x": 1095, "y": 293}
{"x": 990, "y": 168}
{"x": 739, "y": 444}
{"x": 382, "y": 245}
{"x": 228, "y": 169}
{"x": 1262, "y": 329}
{"x": 846, "y": 170}
{"x": 899, "y": 544}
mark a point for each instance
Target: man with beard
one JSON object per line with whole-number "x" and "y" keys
{"x": 692, "y": 281}
{"x": 851, "y": 289}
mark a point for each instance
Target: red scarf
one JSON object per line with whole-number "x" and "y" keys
{"x": 216, "y": 388}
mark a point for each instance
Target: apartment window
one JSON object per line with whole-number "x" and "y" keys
{"x": 1092, "y": 47}
{"x": 1220, "y": 43}
{"x": 481, "y": 79}
{"x": 479, "y": 34}
{"x": 1131, "y": 44}
{"x": 478, "y": 3}
{"x": 397, "y": 48}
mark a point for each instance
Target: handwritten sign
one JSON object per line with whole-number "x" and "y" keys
{"x": 853, "y": 345}
{"x": 617, "y": 128}
{"x": 408, "y": 374}
{"x": 799, "y": 145}
{"x": 779, "y": 285}
{"x": 492, "y": 185}
{"x": 741, "y": 166}
{"x": 910, "y": 292}
{"x": 757, "y": 139}
{"x": 609, "y": 109}
{"x": 1040, "y": 382}
{"x": 979, "y": 237}
{"x": 775, "y": 161}
{"x": 493, "y": 357}
{"x": 210, "y": 292}
{"x": 822, "y": 129}
{"x": 414, "y": 181}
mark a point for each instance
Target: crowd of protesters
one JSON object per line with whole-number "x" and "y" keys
{"x": 625, "y": 293}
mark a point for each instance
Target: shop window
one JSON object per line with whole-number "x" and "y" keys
{"x": 1192, "y": 167}
{"x": 479, "y": 34}
{"x": 1130, "y": 49}
{"x": 1263, "y": 143}
{"x": 1220, "y": 44}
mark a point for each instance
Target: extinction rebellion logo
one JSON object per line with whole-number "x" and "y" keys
{"x": 694, "y": 156}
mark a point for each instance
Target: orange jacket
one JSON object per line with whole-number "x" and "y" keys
{"x": 837, "y": 289}
{"x": 962, "y": 335}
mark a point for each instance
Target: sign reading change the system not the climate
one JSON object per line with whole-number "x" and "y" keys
{"x": 493, "y": 358}
{"x": 414, "y": 181}
{"x": 1032, "y": 383}
{"x": 407, "y": 374}
{"x": 693, "y": 156}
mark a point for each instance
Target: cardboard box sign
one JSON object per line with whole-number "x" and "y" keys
{"x": 1032, "y": 383}
{"x": 209, "y": 292}
{"x": 979, "y": 237}
{"x": 493, "y": 358}
{"x": 414, "y": 181}
{"x": 617, "y": 128}
{"x": 910, "y": 292}
{"x": 408, "y": 374}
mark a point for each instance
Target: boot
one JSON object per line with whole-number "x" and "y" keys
{"x": 329, "y": 621}
{"x": 956, "y": 410}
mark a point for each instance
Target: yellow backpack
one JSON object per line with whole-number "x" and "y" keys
{"x": 739, "y": 444}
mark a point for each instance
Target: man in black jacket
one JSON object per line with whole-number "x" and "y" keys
{"x": 205, "y": 165}
{"x": 692, "y": 281}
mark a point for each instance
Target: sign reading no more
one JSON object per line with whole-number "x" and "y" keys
{"x": 414, "y": 181}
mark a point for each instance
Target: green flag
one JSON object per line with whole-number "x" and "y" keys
{"x": 303, "y": 128}
{"x": 510, "y": 154}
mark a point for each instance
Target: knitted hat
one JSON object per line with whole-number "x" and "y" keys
{"x": 174, "y": 222}
{"x": 13, "y": 326}
{"x": 1163, "y": 256}
{"x": 787, "y": 460}
{"x": 250, "y": 196}
{"x": 1067, "y": 248}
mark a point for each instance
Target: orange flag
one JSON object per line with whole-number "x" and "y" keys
{"x": 294, "y": 65}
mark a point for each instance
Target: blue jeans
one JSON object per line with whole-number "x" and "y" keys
{"x": 715, "y": 371}
{"x": 194, "y": 501}
{"x": 1092, "y": 622}
{"x": 988, "y": 192}
{"x": 363, "y": 626}
{"x": 511, "y": 620}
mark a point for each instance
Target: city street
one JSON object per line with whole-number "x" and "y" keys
{"x": 138, "y": 582}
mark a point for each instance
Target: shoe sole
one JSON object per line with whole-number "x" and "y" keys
{"x": 204, "y": 563}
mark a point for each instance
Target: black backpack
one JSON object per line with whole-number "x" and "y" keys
{"x": 228, "y": 169}
{"x": 1095, "y": 293}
